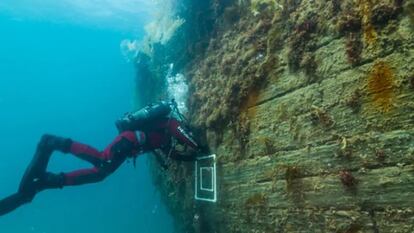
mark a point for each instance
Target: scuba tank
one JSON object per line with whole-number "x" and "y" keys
{"x": 139, "y": 119}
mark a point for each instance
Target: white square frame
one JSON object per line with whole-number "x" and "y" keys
{"x": 211, "y": 171}
{"x": 198, "y": 175}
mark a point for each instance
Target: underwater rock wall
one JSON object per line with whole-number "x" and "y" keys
{"x": 309, "y": 106}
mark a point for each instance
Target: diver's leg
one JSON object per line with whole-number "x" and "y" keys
{"x": 85, "y": 176}
{"x": 106, "y": 162}
{"x": 50, "y": 181}
{"x": 36, "y": 171}
{"x": 127, "y": 140}
{"x": 87, "y": 153}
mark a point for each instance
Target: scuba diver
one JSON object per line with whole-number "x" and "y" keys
{"x": 159, "y": 127}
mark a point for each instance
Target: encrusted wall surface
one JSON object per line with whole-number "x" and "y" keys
{"x": 309, "y": 106}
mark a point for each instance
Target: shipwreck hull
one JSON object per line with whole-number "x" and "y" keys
{"x": 309, "y": 106}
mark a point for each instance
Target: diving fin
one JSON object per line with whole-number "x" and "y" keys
{"x": 12, "y": 202}
{"x": 37, "y": 167}
{"x": 34, "y": 172}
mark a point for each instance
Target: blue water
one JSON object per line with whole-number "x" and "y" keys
{"x": 70, "y": 80}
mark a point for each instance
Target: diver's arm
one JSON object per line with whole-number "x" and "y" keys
{"x": 123, "y": 146}
{"x": 181, "y": 134}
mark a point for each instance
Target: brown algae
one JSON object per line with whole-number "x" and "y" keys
{"x": 381, "y": 86}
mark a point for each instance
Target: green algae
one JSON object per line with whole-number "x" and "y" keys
{"x": 259, "y": 6}
{"x": 258, "y": 199}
